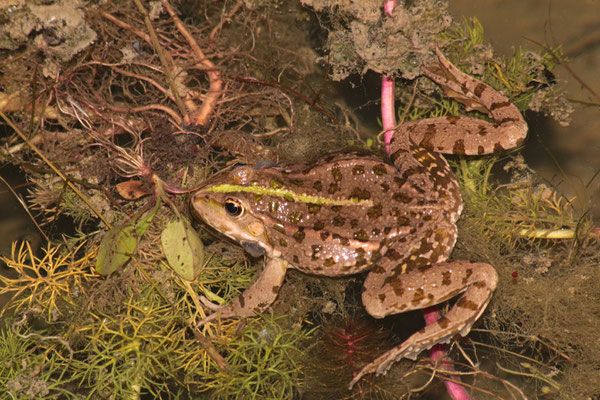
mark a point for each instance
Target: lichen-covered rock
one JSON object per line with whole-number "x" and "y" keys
{"x": 361, "y": 37}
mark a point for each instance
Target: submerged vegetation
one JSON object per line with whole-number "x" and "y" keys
{"x": 112, "y": 135}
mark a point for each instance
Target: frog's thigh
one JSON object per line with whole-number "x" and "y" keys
{"x": 388, "y": 292}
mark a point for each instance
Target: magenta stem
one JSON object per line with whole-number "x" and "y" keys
{"x": 438, "y": 352}
{"x": 388, "y": 110}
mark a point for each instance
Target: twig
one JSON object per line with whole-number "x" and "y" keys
{"x": 55, "y": 169}
{"x": 201, "y": 116}
{"x": 219, "y": 26}
{"x": 169, "y": 65}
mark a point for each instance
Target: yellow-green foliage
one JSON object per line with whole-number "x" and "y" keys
{"x": 133, "y": 333}
{"x": 514, "y": 212}
{"x": 32, "y": 365}
{"x": 469, "y": 34}
{"x": 264, "y": 362}
{"x": 43, "y": 283}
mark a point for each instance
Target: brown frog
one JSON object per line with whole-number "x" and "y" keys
{"x": 347, "y": 214}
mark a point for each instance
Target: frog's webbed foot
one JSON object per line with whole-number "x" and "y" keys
{"x": 473, "y": 93}
{"x": 218, "y": 312}
{"x": 462, "y": 135}
{"x": 384, "y": 362}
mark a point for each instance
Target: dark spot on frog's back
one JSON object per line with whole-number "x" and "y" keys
{"x": 427, "y": 141}
{"x": 359, "y": 194}
{"x": 452, "y": 119}
{"x": 396, "y": 285}
{"x": 318, "y": 186}
{"x": 333, "y": 188}
{"x": 344, "y": 241}
{"x": 338, "y": 220}
{"x": 295, "y": 217}
{"x": 500, "y": 104}
{"x": 378, "y": 269}
{"x": 400, "y": 181}
{"x": 379, "y": 169}
{"x": 402, "y": 198}
{"x": 358, "y": 170}
{"x": 401, "y": 220}
{"x": 316, "y": 248}
{"x": 328, "y": 262}
{"x": 318, "y": 225}
{"x": 446, "y": 278}
{"x": 336, "y": 173}
{"x": 361, "y": 236}
{"x": 392, "y": 254}
{"x": 418, "y": 296}
{"x": 459, "y": 147}
{"x": 463, "y": 302}
{"x": 443, "y": 322}
{"x": 314, "y": 208}
{"x": 479, "y": 89}
{"x": 299, "y": 235}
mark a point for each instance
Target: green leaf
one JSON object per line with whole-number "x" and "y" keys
{"x": 142, "y": 225}
{"x": 183, "y": 248}
{"x": 116, "y": 249}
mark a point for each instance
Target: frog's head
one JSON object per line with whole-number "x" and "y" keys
{"x": 224, "y": 204}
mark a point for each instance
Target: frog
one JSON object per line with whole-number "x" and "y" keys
{"x": 393, "y": 219}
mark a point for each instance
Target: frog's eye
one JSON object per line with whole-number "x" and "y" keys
{"x": 234, "y": 208}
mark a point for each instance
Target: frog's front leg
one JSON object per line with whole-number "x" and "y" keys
{"x": 391, "y": 291}
{"x": 256, "y": 298}
{"x": 463, "y": 135}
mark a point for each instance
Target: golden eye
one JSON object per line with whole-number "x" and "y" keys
{"x": 234, "y": 208}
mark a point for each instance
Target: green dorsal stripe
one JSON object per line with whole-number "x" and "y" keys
{"x": 288, "y": 194}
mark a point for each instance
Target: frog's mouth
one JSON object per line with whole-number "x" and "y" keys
{"x": 253, "y": 248}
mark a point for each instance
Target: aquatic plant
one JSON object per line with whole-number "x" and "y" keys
{"x": 263, "y": 362}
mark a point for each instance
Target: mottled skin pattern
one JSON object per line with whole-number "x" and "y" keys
{"x": 348, "y": 213}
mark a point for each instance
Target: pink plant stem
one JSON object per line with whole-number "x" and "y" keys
{"x": 388, "y": 110}
{"x": 438, "y": 352}
{"x": 431, "y": 314}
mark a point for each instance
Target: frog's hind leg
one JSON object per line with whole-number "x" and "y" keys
{"x": 463, "y": 135}
{"x": 394, "y": 292}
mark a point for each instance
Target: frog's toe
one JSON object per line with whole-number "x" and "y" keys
{"x": 367, "y": 369}
{"x": 206, "y": 320}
